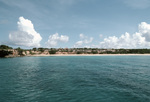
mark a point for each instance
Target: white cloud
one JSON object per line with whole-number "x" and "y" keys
{"x": 101, "y": 35}
{"x": 144, "y": 29}
{"x": 55, "y": 38}
{"x": 79, "y": 43}
{"x": 140, "y": 39}
{"x": 81, "y": 36}
{"x": 26, "y": 34}
{"x": 138, "y": 4}
{"x": 83, "y": 40}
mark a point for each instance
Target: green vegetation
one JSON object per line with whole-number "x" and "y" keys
{"x": 34, "y": 49}
{"x": 5, "y": 47}
{"x": 41, "y": 49}
{"x": 52, "y": 51}
{"x": 94, "y": 51}
{"x": 139, "y": 51}
{"x": 6, "y": 51}
{"x": 30, "y": 51}
{"x": 79, "y": 52}
{"x": 20, "y": 51}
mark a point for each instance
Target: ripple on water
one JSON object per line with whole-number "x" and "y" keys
{"x": 75, "y": 79}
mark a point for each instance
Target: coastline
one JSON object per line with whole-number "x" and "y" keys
{"x": 8, "y": 52}
{"x": 43, "y": 55}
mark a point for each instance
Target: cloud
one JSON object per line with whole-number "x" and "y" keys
{"x": 144, "y": 29}
{"x": 137, "y": 4}
{"x": 79, "y": 43}
{"x": 26, "y": 34}
{"x": 55, "y": 39}
{"x": 101, "y": 35}
{"x": 140, "y": 39}
{"x": 83, "y": 40}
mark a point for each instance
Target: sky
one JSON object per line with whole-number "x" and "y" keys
{"x": 75, "y": 23}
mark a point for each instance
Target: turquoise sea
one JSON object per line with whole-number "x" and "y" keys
{"x": 75, "y": 79}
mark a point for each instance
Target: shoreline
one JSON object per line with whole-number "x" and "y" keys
{"x": 42, "y": 55}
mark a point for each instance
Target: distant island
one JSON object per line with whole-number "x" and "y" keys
{"x": 6, "y": 51}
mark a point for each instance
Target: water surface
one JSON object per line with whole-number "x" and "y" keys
{"x": 75, "y": 79}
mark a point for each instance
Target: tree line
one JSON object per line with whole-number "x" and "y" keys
{"x": 6, "y": 50}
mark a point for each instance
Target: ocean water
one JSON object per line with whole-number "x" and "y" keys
{"x": 75, "y": 79}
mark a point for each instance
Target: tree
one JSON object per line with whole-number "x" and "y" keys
{"x": 41, "y": 49}
{"x": 5, "y": 47}
{"x": 4, "y": 53}
{"x": 52, "y": 52}
{"x": 94, "y": 51}
{"x": 20, "y": 51}
{"x": 34, "y": 49}
{"x": 79, "y": 52}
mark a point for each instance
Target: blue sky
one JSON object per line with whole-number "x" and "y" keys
{"x": 75, "y": 23}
